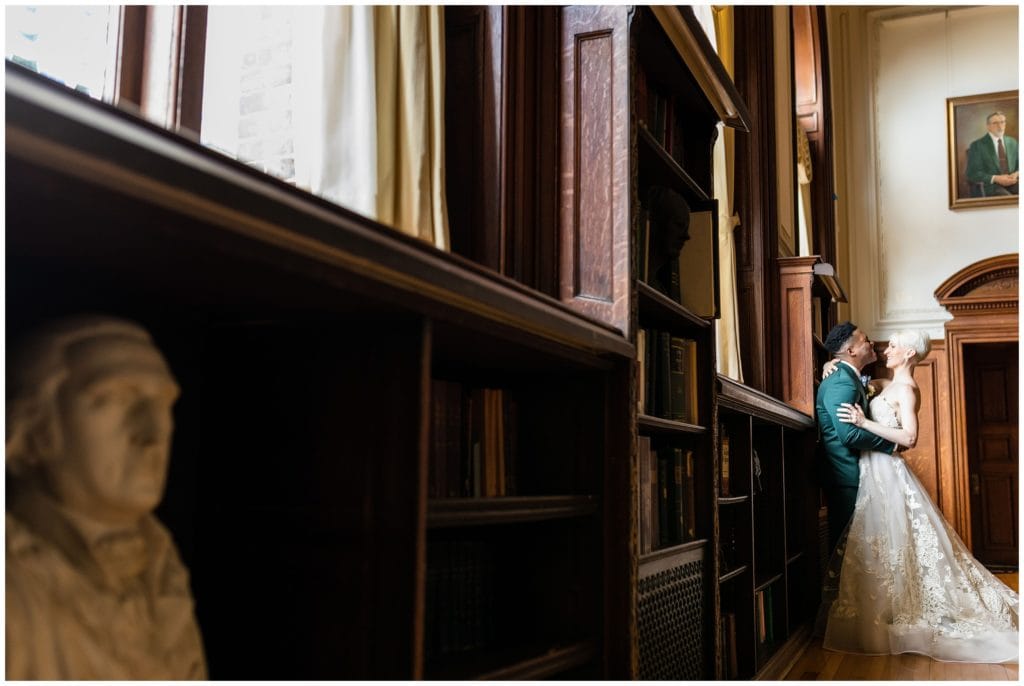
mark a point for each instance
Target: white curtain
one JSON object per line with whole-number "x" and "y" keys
{"x": 717, "y": 23}
{"x": 344, "y": 101}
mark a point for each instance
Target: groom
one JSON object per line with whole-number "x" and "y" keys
{"x": 843, "y": 442}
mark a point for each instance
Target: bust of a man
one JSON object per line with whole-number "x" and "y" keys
{"x": 95, "y": 586}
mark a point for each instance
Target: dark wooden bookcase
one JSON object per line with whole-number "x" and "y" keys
{"x": 318, "y": 352}
{"x": 307, "y": 340}
{"x": 767, "y": 566}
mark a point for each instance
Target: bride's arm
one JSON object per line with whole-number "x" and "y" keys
{"x": 906, "y": 405}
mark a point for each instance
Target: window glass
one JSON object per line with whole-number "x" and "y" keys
{"x": 75, "y": 46}
{"x": 249, "y": 86}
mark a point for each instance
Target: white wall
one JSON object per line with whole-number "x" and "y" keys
{"x": 894, "y": 69}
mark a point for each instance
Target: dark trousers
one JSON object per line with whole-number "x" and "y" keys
{"x": 841, "y": 501}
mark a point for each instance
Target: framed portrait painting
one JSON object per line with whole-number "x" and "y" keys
{"x": 984, "y": 161}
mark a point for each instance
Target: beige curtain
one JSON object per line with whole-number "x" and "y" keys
{"x": 376, "y": 90}
{"x": 409, "y": 52}
{"x": 727, "y": 327}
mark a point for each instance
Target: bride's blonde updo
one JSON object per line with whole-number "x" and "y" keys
{"x": 920, "y": 341}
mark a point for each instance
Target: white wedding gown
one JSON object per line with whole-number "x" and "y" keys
{"x": 908, "y": 584}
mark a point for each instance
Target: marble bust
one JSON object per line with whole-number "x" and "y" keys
{"x": 95, "y": 586}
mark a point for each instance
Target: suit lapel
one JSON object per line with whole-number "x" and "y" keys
{"x": 861, "y": 396}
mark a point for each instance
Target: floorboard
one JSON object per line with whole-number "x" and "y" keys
{"x": 818, "y": 664}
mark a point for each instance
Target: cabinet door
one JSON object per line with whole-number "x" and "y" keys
{"x": 594, "y": 163}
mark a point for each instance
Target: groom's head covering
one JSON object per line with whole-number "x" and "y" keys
{"x": 839, "y": 334}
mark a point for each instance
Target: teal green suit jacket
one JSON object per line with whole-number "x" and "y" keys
{"x": 982, "y": 163}
{"x": 844, "y": 442}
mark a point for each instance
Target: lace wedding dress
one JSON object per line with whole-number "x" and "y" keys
{"x": 907, "y": 582}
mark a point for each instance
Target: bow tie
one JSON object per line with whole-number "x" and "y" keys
{"x": 864, "y": 380}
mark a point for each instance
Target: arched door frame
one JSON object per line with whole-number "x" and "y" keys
{"x": 983, "y": 299}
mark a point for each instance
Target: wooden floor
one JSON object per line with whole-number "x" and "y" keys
{"x": 818, "y": 664}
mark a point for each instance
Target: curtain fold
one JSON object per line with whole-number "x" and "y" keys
{"x": 409, "y": 51}
{"x": 727, "y": 327}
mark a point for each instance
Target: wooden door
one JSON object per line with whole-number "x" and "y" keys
{"x": 990, "y": 374}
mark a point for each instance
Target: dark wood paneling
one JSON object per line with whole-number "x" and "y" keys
{"x": 530, "y": 195}
{"x": 991, "y": 377}
{"x": 814, "y": 114}
{"x": 473, "y": 120}
{"x": 594, "y": 222}
{"x": 755, "y": 201}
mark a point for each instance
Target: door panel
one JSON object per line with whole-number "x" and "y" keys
{"x": 991, "y": 375}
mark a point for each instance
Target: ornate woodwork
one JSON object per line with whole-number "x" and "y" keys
{"x": 983, "y": 299}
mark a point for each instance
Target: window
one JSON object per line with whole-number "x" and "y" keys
{"x": 249, "y": 86}
{"x": 76, "y": 46}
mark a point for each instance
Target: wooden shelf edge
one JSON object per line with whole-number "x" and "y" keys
{"x": 794, "y": 558}
{"x": 765, "y": 584}
{"x": 659, "y": 425}
{"x": 669, "y": 162}
{"x": 651, "y": 299}
{"x": 554, "y": 661}
{"x": 736, "y": 396}
{"x": 662, "y": 558}
{"x": 54, "y": 128}
{"x": 733, "y": 574}
{"x": 733, "y": 500}
{"x": 453, "y": 512}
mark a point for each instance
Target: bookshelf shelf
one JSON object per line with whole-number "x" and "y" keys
{"x": 658, "y": 309}
{"x": 794, "y": 558}
{"x": 304, "y": 330}
{"x": 657, "y": 167}
{"x": 672, "y": 551}
{"x": 732, "y": 574}
{"x": 734, "y": 500}
{"x": 456, "y": 512}
{"x": 771, "y": 580}
{"x": 656, "y": 425}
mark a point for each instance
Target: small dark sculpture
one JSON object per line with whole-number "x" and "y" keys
{"x": 669, "y": 230}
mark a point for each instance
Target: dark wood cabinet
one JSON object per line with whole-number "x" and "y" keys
{"x": 307, "y": 341}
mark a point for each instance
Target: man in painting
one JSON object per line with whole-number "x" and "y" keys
{"x": 992, "y": 160}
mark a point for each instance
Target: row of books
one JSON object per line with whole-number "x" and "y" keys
{"x": 473, "y": 441}
{"x": 667, "y": 498}
{"x": 661, "y": 115}
{"x": 459, "y": 597}
{"x": 764, "y": 619}
{"x": 667, "y": 376}
{"x": 728, "y": 662}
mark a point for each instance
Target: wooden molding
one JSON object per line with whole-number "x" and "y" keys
{"x": 983, "y": 299}
{"x": 700, "y": 57}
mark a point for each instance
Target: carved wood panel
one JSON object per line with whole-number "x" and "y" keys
{"x": 594, "y": 222}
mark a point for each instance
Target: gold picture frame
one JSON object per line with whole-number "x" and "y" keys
{"x": 966, "y": 124}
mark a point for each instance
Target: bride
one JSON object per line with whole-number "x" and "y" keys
{"x": 906, "y": 582}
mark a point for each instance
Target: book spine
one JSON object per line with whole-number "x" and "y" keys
{"x": 646, "y": 493}
{"x": 678, "y": 486}
{"x": 664, "y": 490}
{"x": 663, "y": 383}
{"x": 678, "y": 379}
{"x": 641, "y": 371}
{"x": 689, "y": 497}
{"x": 655, "y": 489}
{"x": 724, "y": 467}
